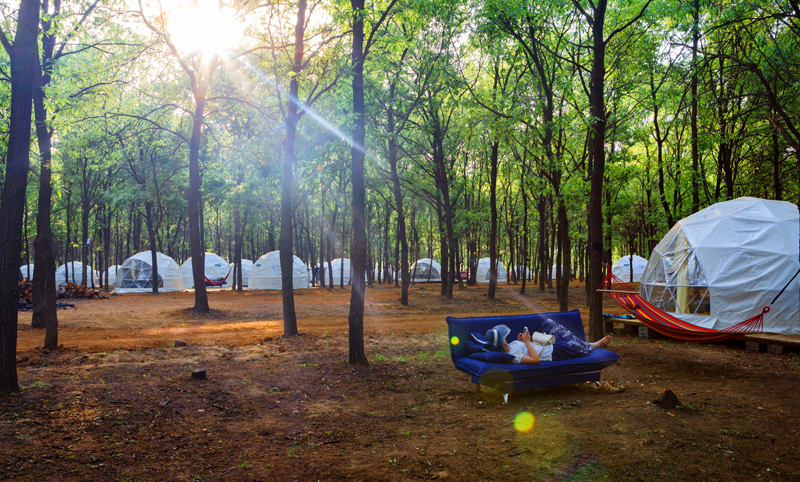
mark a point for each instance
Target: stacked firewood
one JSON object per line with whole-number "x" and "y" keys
{"x": 25, "y": 290}
{"x": 75, "y": 291}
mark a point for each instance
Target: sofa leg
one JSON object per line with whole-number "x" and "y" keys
{"x": 478, "y": 388}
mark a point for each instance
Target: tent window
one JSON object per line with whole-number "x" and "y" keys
{"x": 135, "y": 273}
{"x": 677, "y": 283}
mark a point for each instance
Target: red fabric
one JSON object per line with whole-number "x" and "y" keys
{"x": 669, "y": 325}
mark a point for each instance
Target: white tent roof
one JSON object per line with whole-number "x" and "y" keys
{"x": 247, "y": 266}
{"x": 75, "y": 273}
{"x": 419, "y": 270}
{"x": 266, "y": 273}
{"x": 564, "y": 269}
{"x": 377, "y": 273}
{"x": 483, "y": 271}
{"x": 24, "y": 270}
{"x": 136, "y": 273}
{"x": 112, "y": 273}
{"x": 336, "y": 271}
{"x": 730, "y": 260}
{"x": 216, "y": 268}
{"x": 622, "y": 268}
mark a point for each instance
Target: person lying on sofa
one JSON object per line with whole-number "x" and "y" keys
{"x": 566, "y": 344}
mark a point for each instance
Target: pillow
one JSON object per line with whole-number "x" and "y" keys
{"x": 493, "y": 357}
{"x": 483, "y": 343}
{"x": 473, "y": 347}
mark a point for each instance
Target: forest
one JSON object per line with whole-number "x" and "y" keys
{"x": 549, "y": 135}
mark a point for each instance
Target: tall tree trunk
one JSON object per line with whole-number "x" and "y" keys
{"x": 359, "y": 242}
{"x": 493, "y": 229}
{"x": 45, "y": 314}
{"x": 24, "y": 70}
{"x": 151, "y": 234}
{"x": 285, "y": 241}
{"x": 595, "y": 221}
{"x": 195, "y": 218}
{"x": 695, "y": 148}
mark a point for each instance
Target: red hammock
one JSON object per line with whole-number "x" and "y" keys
{"x": 220, "y": 282}
{"x": 668, "y": 325}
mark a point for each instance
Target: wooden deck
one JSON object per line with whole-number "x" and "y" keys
{"x": 762, "y": 338}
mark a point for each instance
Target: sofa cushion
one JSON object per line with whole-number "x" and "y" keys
{"x": 493, "y": 357}
{"x": 597, "y": 360}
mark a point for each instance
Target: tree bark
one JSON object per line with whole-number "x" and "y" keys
{"x": 359, "y": 242}
{"x": 24, "y": 70}
{"x": 285, "y": 241}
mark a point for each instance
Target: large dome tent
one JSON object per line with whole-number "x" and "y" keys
{"x": 135, "y": 275}
{"x": 75, "y": 274}
{"x": 378, "y": 274}
{"x": 425, "y": 270}
{"x": 216, "y": 268}
{"x": 482, "y": 275}
{"x": 266, "y": 273}
{"x": 623, "y": 267}
{"x": 722, "y": 265}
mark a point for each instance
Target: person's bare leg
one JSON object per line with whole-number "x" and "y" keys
{"x": 602, "y": 343}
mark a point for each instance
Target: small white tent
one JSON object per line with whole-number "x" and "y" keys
{"x": 24, "y": 270}
{"x": 135, "y": 275}
{"x": 266, "y": 273}
{"x": 521, "y": 271}
{"x": 336, "y": 271}
{"x": 624, "y": 266}
{"x": 112, "y": 273}
{"x": 216, "y": 268}
{"x": 75, "y": 274}
{"x": 722, "y": 265}
{"x": 425, "y": 267}
{"x": 564, "y": 269}
{"x": 247, "y": 266}
{"x": 483, "y": 271}
{"x": 379, "y": 274}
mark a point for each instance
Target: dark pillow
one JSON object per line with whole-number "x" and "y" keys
{"x": 483, "y": 343}
{"x": 473, "y": 347}
{"x": 493, "y": 356}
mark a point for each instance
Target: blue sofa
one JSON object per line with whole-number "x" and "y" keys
{"x": 510, "y": 377}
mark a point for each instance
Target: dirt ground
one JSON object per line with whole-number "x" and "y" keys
{"x": 117, "y": 402}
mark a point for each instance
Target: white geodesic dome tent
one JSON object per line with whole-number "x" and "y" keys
{"x": 522, "y": 271}
{"x": 75, "y": 274}
{"x": 483, "y": 271}
{"x": 564, "y": 269}
{"x": 425, "y": 267}
{"x": 336, "y": 271}
{"x": 622, "y": 268}
{"x": 216, "y": 268}
{"x": 135, "y": 275}
{"x": 722, "y": 265}
{"x": 266, "y": 273}
{"x": 24, "y": 270}
{"x": 247, "y": 266}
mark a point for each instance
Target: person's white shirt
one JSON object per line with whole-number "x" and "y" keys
{"x": 518, "y": 349}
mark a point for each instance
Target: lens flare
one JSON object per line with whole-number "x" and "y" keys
{"x": 454, "y": 340}
{"x": 524, "y": 422}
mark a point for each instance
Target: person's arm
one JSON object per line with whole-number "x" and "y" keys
{"x": 533, "y": 357}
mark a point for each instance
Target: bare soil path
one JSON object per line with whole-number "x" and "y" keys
{"x": 118, "y": 403}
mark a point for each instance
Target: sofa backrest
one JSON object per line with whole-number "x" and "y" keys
{"x": 459, "y": 329}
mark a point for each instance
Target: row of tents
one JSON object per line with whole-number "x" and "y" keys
{"x": 135, "y": 274}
